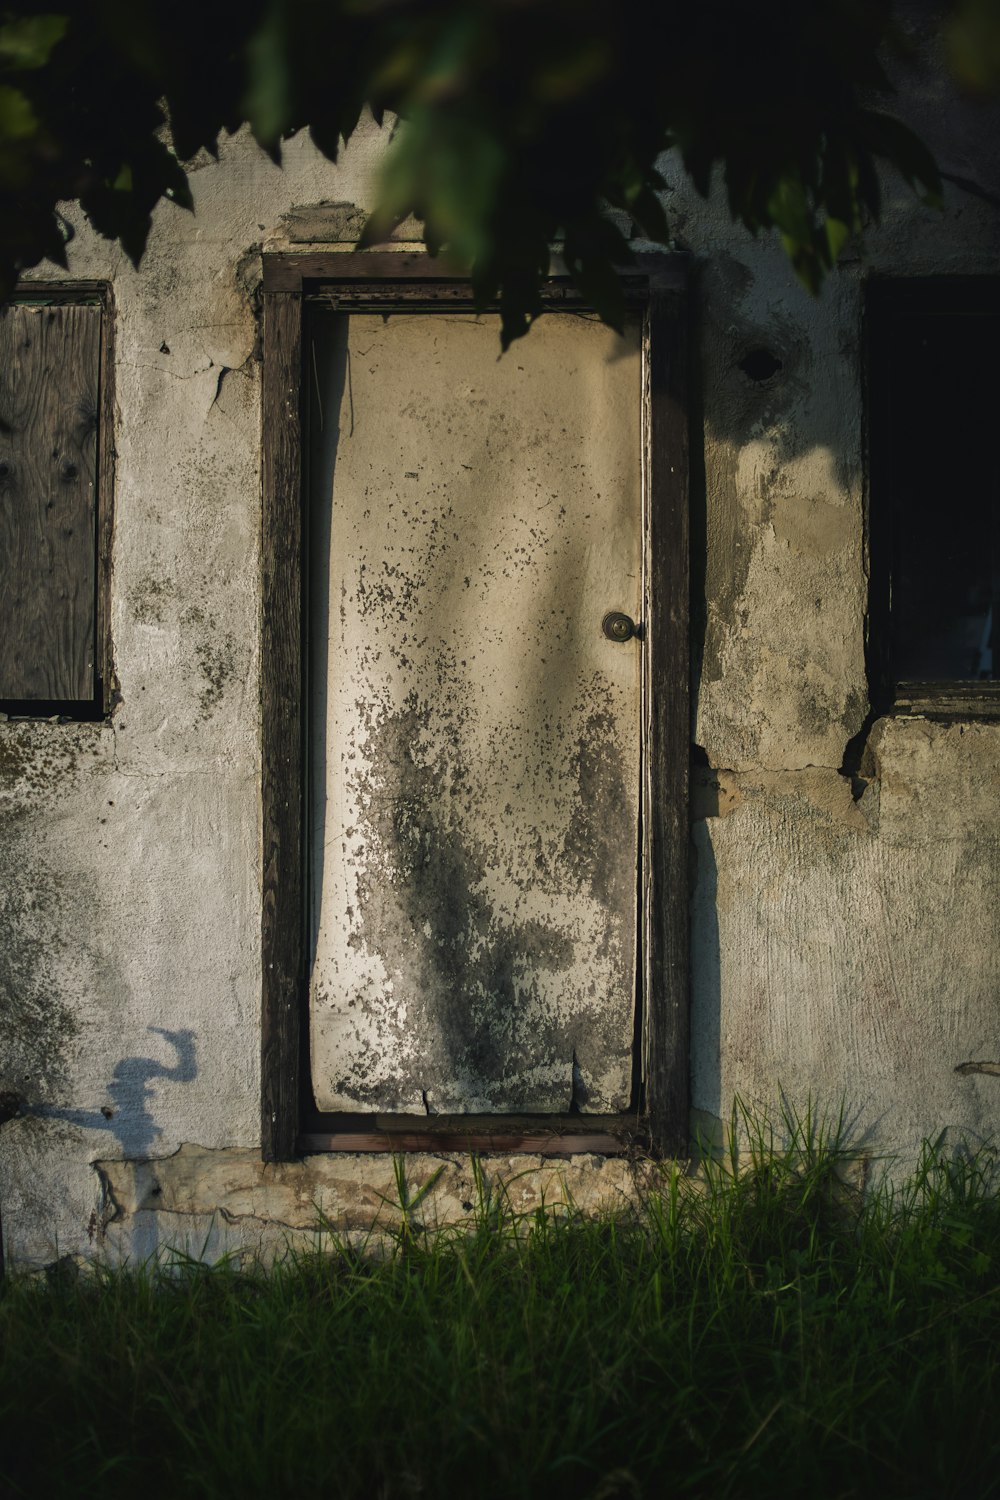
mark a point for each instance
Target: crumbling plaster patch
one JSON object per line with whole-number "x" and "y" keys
{"x": 351, "y": 1191}
{"x": 236, "y": 1202}
{"x": 50, "y": 1197}
{"x": 49, "y": 949}
{"x": 780, "y": 686}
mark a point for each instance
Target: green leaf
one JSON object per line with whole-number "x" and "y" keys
{"x": 973, "y": 38}
{"x": 514, "y": 123}
{"x": 447, "y": 170}
{"x": 837, "y": 235}
{"x": 27, "y": 43}
{"x": 788, "y": 209}
{"x": 268, "y": 97}
{"x": 18, "y": 121}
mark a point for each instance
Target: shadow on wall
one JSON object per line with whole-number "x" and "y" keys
{"x": 777, "y": 379}
{"x": 128, "y": 1117}
{"x": 706, "y": 976}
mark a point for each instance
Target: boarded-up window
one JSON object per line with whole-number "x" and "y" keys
{"x": 50, "y": 405}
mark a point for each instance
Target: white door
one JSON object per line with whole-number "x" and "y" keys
{"x": 475, "y": 736}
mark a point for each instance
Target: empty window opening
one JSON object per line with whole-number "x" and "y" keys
{"x": 935, "y": 479}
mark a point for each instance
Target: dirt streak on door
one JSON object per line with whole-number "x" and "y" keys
{"x": 475, "y": 743}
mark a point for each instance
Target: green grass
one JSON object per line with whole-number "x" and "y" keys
{"x": 768, "y": 1334}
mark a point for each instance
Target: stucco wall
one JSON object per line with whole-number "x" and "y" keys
{"x": 842, "y": 927}
{"x": 843, "y": 944}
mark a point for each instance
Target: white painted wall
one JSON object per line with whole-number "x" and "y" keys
{"x": 841, "y": 949}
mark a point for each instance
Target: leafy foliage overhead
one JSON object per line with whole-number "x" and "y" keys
{"x": 523, "y": 119}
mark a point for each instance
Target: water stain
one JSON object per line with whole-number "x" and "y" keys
{"x": 602, "y": 822}
{"x": 44, "y": 912}
{"x": 472, "y": 1010}
{"x": 38, "y": 761}
{"x": 148, "y": 597}
{"x": 217, "y": 663}
{"x": 38, "y": 1025}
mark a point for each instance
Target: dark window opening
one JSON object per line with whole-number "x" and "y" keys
{"x": 934, "y": 481}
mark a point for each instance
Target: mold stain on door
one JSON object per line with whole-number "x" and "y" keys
{"x": 475, "y": 738}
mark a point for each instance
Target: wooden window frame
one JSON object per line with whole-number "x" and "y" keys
{"x": 100, "y": 706}
{"x": 406, "y": 280}
{"x": 888, "y": 297}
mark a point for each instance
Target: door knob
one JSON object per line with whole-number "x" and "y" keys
{"x": 618, "y": 627}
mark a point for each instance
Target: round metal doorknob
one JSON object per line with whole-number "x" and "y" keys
{"x": 618, "y": 627}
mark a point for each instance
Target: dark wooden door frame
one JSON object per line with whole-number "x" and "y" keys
{"x": 400, "y": 280}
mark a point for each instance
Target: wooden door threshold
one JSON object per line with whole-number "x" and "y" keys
{"x": 603, "y": 1135}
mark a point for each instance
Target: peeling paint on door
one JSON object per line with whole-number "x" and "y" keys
{"x": 474, "y": 808}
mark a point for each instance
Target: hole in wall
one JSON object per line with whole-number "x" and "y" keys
{"x": 759, "y": 365}
{"x": 859, "y": 765}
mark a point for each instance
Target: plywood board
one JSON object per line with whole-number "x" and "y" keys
{"x": 49, "y": 378}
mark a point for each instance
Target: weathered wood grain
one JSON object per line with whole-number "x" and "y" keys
{"x": 106, "y": 456}
{"x": 667, "y": 1029}
{"x": 49, "y": 418}
{"x": 541, "y": 1143}
{"x": 289, "y": 272}
{"x": 283, "y": 760}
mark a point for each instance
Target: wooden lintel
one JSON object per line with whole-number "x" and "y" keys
{"x": 292, "y": 272}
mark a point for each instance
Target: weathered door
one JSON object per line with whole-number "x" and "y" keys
{"x": 475, "y": 735}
